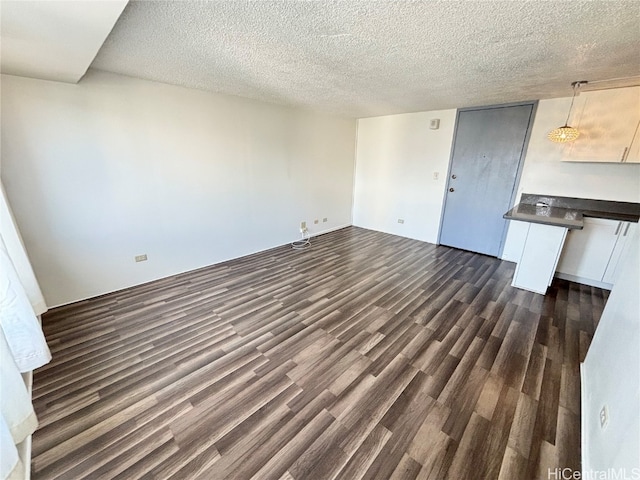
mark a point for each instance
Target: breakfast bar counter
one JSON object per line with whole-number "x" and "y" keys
{"x": 548, "y": 220}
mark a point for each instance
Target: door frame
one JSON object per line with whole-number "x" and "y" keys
{"x": 523, "y": 154}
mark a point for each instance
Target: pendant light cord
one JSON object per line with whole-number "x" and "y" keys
{"x": 576, "y": 86}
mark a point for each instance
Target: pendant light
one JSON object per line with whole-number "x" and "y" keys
{"x": 566, "y": 133}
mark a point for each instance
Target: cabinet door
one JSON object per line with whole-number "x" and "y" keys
{"x": 586, "y": 252}
{"x": 607, "y": 121}
{"x": 633, "y": 155}
{"x": 624, "y": 239}
{"x": 539, "y": 257}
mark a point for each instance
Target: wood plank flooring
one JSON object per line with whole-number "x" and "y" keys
{"x": 367, "y": 356}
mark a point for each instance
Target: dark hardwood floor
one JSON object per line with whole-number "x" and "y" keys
{"x": 366, "y": 356}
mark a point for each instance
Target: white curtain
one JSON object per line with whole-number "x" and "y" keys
{"x": 22, "y": 344}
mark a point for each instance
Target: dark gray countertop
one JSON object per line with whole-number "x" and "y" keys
{"x": 569, "y": 212}
{"x": 561, "y": 217}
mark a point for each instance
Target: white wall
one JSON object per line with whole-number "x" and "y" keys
{"x": 398, "y": 154}
{"x": 545, "y": 173}
{"x": 396, "y": 159}
{"x": 611, "y": 376}
{"x": 55, "y": 40}
{"x": 113, "y": 167}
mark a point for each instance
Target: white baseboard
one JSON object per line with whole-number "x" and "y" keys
{"x": 584, "y": 281}
{"x": 584, "y": 415}
{"x": 328, "y": 230}
{"x": 253, "y": 252}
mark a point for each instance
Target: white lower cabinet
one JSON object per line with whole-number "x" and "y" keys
{"x": 591, "y": 255}
{"x": 539, "y": 257}
{"x": 625, "y": 236}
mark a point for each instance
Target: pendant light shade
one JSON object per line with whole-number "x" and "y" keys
{"x": 563, "y": 134}
{"x": 566, "y": 133}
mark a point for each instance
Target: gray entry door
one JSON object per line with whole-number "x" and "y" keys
{"x": 487, "y": 151}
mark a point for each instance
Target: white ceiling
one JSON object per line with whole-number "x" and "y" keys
{"x": 364, "y": 58}
{"x": 54, "y": 40}
{"x": 355, "y": 58}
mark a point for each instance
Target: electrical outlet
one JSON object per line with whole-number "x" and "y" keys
{"x": 141, "y": 258}
{"x": 303, "y": 225}
{"x": 400, "y": 220}
{"x": 604, "y": 417}
{"x": 436, "y": 175}
{"x": 316, "y": 221}
{"x": 324, "y": 220}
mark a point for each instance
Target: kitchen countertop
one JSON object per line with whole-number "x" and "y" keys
{"x": 569, "y": 212}
{"x": 561, "y": 217}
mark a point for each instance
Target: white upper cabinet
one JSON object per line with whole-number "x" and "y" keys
{"x": 608, "y": 122}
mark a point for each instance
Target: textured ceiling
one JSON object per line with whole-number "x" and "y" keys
{"x": 365, "y": 58}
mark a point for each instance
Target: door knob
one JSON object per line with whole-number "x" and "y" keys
{"x": 451, "y": 189}
{"x": 454, "y": 177}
